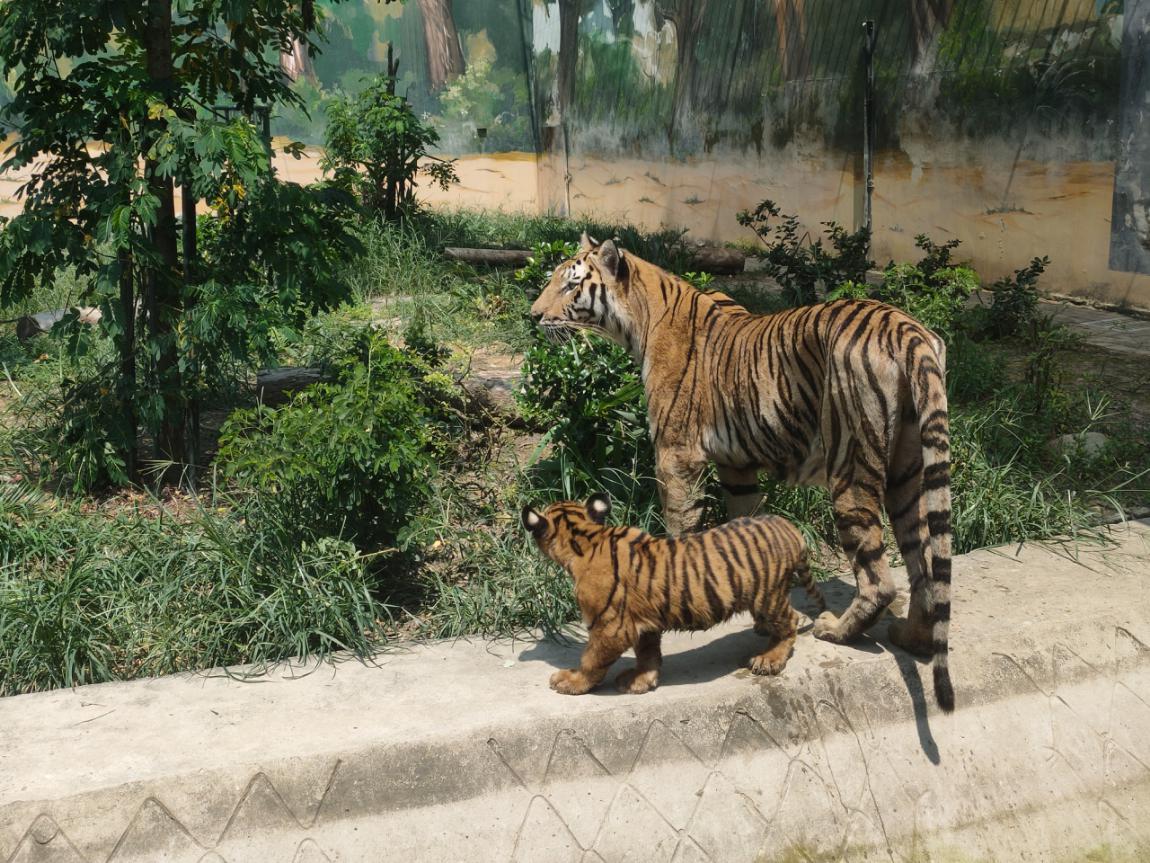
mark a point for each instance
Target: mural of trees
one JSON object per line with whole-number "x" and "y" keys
{"x": 444, "y": 53}
{"x": 686, "y": 17}
{"x": 569, "y": 11}
{"x": 794, "y": 54}
{"x": 928, "y": 18}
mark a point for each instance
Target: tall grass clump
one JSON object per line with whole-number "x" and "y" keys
{"x": 86, "y": 598}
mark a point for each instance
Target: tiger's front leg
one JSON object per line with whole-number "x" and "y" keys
{"x": 680, "y": 477}
{"x": 601, "y": 651}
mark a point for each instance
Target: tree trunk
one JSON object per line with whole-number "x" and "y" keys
{"x": 444, "y": 56}
{"x": 296, "y": 63}
{"x": 928, "y": 18}
{"x": 686, "y": 16}
{"x": 163, "y": 281}
{"x": 568, "y": 54}
{"x": 127, "y": 346}
{"x": 794, "y": 53}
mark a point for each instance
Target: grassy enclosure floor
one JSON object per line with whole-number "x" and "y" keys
{"x": 261, "y": 562}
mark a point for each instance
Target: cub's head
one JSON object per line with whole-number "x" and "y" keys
{"x": 564, "y": 530}
{"x": 587, "y": 292}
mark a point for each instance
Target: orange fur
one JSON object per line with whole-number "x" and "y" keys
{"x": 631, "y": 586}
{"x": 848, "y": 394}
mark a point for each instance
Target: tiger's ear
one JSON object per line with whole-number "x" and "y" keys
{"x": 587, "y": 242}
{"x": 533, "y": 521}
{"x": 599, "y": 507}
{"x": 611, "y": 258}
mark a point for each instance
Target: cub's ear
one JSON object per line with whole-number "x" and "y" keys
{"x": 532, "y": 520}
{"x": 587, "y": 242}
{"x": 598, "y": 507}
{"x": 611, "y": 258}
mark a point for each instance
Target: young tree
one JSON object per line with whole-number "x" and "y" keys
{"x": 113, "y": 106}
{"x": 376, "y": 145}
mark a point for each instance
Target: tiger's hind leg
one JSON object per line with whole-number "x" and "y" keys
{"x": 906, "y": 507}
{"x": 858, "y": 500}
{"x": 777, "y": 620}
{"x": 648, "y": 660}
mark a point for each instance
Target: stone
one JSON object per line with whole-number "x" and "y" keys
{"x": 1089, "y": 444}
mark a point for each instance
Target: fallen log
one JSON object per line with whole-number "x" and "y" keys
{"x": 716, "y": 260}
{"x": 706, "y": 259}
{"x": 489, "y": 257}
{"x": 274, "y": 387}
{"x": 30, "y": 326}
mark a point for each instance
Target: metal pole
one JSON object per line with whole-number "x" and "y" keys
{"x": 868, "y": 124}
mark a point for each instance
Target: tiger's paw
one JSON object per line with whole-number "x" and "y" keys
{"x": 827, "y": 627}
{"x": 768, "y": 663}
{"x": 570, "y": 681}
{"x": 912, "y": 639}
{"x": 637, "y": 682}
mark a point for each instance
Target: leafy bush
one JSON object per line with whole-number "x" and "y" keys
{"x": 807, "y": 269}
{"x": 933, "y": 291}
{"x": 1014, "y": 308}
{"x": 375, "y": 143}
{"x": 353, "y": 457}
{"x": 588, "y": 392}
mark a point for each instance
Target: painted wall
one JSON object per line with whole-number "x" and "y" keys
{"x": 1017, "y": 126}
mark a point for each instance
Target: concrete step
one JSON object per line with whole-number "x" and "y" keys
{"x": 458, "y": 751}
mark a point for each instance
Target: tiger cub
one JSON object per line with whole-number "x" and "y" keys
{"x": 631, "y": 586}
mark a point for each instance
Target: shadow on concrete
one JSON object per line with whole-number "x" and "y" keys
{"x": 908, "y": 666}
{"x": 730, "y": 653}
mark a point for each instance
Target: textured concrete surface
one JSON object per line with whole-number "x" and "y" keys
{"x": 460, "y": 752}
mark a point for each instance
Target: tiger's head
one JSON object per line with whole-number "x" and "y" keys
{"x": 563, "y": 530}
{"x": 587, "y": 292}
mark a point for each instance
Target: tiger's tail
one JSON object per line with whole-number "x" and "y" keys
{"x": 803, "y": 576}
{"x": 928, "y": 384}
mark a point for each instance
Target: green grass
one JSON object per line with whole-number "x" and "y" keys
{"x": 88, "y": 596}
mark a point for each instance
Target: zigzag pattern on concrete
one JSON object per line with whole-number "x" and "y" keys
{"x": 670, "y": 803}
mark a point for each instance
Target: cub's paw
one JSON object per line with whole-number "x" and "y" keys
{"x": 827, "y": 627}
{"x": 570, "y": 682}
{"x": 912, "y": 639}
{"x": 636, "y": 682}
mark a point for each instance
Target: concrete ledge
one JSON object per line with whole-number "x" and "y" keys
{"x": 458, "y": 751}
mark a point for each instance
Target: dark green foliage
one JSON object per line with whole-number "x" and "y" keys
{"x": 1014, "y": 309}
{"x": 376, "y": 144}
{"x": 351, "y": 457}
{"x": 805, "y": 268}
{"x": 109, "y": 127}
{"x": 588, "y": 393}
{"x": 933, "y": 291}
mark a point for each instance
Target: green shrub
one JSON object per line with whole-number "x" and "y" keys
{"x": 933, "y": 291}
{"x": 1014, "y": 309}
{"x": 375, "y": 143}
{"x": 805, "y": 268}
{"x": 354, "y": 456}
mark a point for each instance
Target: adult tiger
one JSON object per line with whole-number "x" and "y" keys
{"x": 848, "y": 394}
